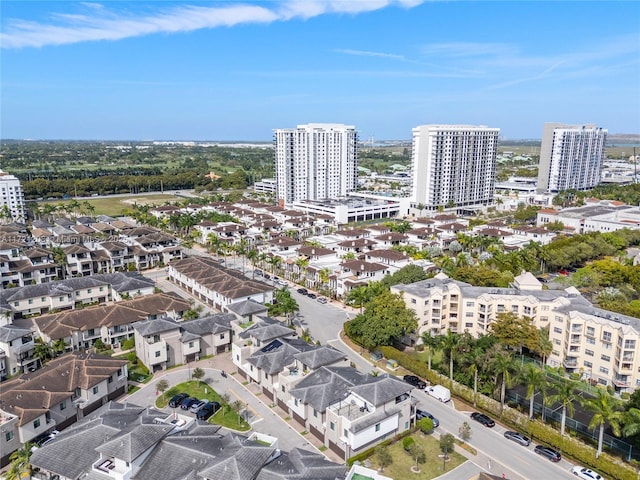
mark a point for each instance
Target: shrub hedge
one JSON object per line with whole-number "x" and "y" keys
{"x": 407, "y": 442}
{"x": 572, "y": 447}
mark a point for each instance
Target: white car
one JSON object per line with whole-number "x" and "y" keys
{"x": 586, "y": 473}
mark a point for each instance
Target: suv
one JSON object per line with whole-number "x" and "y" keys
{"x": 197, "y": 406}
{"x": 420, "y": 414}
{"x": 207, "y": 410}
{"x": 187, "y": 402}
{"x": 415, "y": 381}
{"x": 302, "y": 291}
{"x": 483, "y": 419}
{"x": 176, "y": 400}
{"x": 548, "y": 452}
{"x": 517, "y": 437}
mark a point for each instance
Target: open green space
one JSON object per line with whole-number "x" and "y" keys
{"x": 225, "y": 417}
{"x": 432, "y": 468}
{"x": 115, "y": 206}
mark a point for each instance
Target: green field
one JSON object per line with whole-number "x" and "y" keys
{"x": 114, "y": 206}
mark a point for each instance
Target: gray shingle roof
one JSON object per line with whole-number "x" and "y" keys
{"x": 382, "y": 390}
{"x": 319, "y": 357}
{"x": 247, "y": 307}
{"x": 130, "y": 445}
{"x": 154, "y": 327}
{"x": 300, "y": 464}
{"x": 273, "y": 357}
{"x": 10, "y": 332}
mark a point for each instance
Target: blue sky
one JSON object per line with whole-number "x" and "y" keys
{"x": 236, "y": 70}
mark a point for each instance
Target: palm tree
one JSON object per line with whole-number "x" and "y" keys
{"x": 448, "y": 344}
{"x": 429, "y": 341}
{"x": 324, "y": 275}
{"x": 474, "y": 366}
{"x": 21, "y": 462}
{"x": 545, "y": 346}
{"x": 358, "y": 297}
{"x": 533, "y": 377}
{"x": 606, "y": 409}
{"x": 631, "y": 422}
{"x": 42, "y": 351}
{"x": 502, "y": 366}
{"x": 566, "y": 394}
{"x": 301, "y": 264}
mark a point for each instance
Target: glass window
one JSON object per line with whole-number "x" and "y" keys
{"x": 63, "y": 405}
{"x": 8, "y": 436}
{"x": 332, "y": 426}
{"x": 95, "y": 389}
{"x": 36, "y": 423}
{"x": 377, "y": 427}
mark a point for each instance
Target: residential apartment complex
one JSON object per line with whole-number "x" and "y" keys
{"x": 601, "y": 345}
{"x": 454, "y": 165}
{"x": 571, "y": 157}
{"x": 11, "y": 199}
{"x": 315, "y": 161}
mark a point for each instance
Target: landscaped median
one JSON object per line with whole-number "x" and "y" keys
{"x": 228, "y": 416}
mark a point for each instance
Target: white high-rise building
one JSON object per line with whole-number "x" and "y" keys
{"x": 454, "y": 165}
{"x": 315, "y": 162}
{"x": 11, "y": 199}
{"x": 571, "y": 157}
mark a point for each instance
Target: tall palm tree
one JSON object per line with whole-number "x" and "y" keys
{"x": 545, "y": 346}
{"x": 275, "y": 262}
{"x": 502, "y": 366}
{"x": 606, "y": 409}
{"x": 301, "y": 264}
{"x": 21, "y": 462}
{"x": 533, "y": 377}
{"x": 449, "y": 343}
{"x": 358, "y": 297}
{"x": 430, "y": 342}
{"x": 566, "y": 394}
{"x": 474, "y": 366}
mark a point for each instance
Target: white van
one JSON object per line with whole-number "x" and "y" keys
{"x": 441, "y": 393}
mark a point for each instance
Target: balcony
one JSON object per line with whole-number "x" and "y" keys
{"x": 621, "y": 381}
{"x": 570, "y": 362}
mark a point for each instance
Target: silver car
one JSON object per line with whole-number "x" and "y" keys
{"x": 518, "y": 438}
{"x": 197, "y": 406}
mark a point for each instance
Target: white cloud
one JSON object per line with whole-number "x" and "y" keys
{"x": 102, "y": 24}
{"x": 366, "y": 53}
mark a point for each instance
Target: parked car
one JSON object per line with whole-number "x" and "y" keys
{"x": 415, "y": 381}
{"x": 322, "y": 300}
{"x": 302, "y": 291}
{"x": 483, "y": 419}
{"x": 176, "y": 400}
{"x": 267, "y": 276}
{"x": 420, "y": 414}
{"x": 44, "y": 439}
{"x": 207, "y": 410}
{"x": 258, "y": 273}
{"x": 548, "y": 452}
{"x": 312, "y": 296}
{"x": 439, "y": 392}
{"x": 197, "y": 405}
{"x": 517, "y": 437}
{"x": 585, "y": 473}
{"x": 282, "y": 282}
{"x": 187, "y": 402}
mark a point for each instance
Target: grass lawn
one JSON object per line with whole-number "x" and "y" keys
{"x": 114, "y": 206}
{"x": 432, "y": 468}
{"x": 436, "y": 357}
{"x": 225, "y": 417}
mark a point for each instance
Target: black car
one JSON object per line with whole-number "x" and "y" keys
{"x": 302, "y": 291}
{"x": 176, "y": 400}
{"x": 415, "y": 381}
{"x": 517, "y": 437}
{"x": 209, "y": 409}
{"x": 548, "y": 452}
{"x": 187, "y": 403}
{"x": 420, "y": 414}
{"x": 312, "y": 296}
{"x": 483, "y": 419}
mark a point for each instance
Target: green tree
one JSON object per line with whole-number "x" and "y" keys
{"x": 236, "y": 406}
{"x": 383, "y": 457}
{"x": 446, "y": 446}
{"x": 425, "y": 424}
{"x": 606, "y": 409}
{"x": 21, "y": 461}
{"x": 514, "y": 331}
{"x": 385, "y": 319}
{"x": 418, "y": 454}
{"x": 430, "y": 342}
{"x": 197, "y": 373}
{"x": 357, "y": 297}
{"x": 449, "y": 344}
{"x": 631, "y": 422}
{"x": 534, "y": 378}
{"x": 163, "y": 385}
{"x": 42, "y": 351}
{"x": 566, "y": 395}
{"x": 464, "y": 432}
{"x": 502, "y": 366}
{"x": 406, "y": 275}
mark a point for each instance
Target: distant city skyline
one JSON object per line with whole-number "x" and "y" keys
{"x": 214, "y": 71}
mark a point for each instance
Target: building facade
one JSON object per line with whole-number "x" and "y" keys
{"x": 315, "y": 161}
{"x": 11, "y": 199}
{"x": 571, "y": 157}
{"x": 454, "y": 165}
{"x": 600, "y": 345}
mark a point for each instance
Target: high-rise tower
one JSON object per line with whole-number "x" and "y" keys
{"x": 571, "y": 157}
{"x": 11, "y": 199}
{"x": 454, "y": 165}
{"x": 315, "y": 161}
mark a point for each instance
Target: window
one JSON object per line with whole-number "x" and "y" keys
{"x": 470, "y": 304}
{"x": 557, "y": 330}
{"x": 95, "y": 389}
{"x": 295, "y": 402}
{"x": 36, "y": 423}
{"x": 605, "y": 358}
{"x": 315, "y": 413}
{"x": 222, "y": 336}
{"x": 604, "y": 370}
{"x": 345, "y": 433}
{"x": 8, "y": 436}
{"x": 413, "y": 300}
{"x": 591, "y": 340}
{"x": 31, "y": 301}
{"x": 527, "y": 310}
{"x": 468, "y": 314}
{"x": 588, "y": 352}
{"x": 190, "y": 344}
{"x": 157, "y": 353}
{"x": 110, "y": 379}
{"x": 16, "y": 304}
{"x": 377, "y": 427}
{"x": 557, "y": 341}
{"x": 606, "y": 336}
{"x": 332, "y": 426}
{"x": 514, "y": 308}
{"x": 63, "y": 405}
{"x": 588, "y": 364}
{"x": 88, "y": 290}
{"x": 544, "y": 319}
{"x": 591, "y": 331}
{"x": 630, "y": 344}
{"x": 558, "y": 319}
{"x": 545, "y": 308}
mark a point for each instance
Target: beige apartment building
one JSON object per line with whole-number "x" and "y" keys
{"x": 601, "y": 345}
